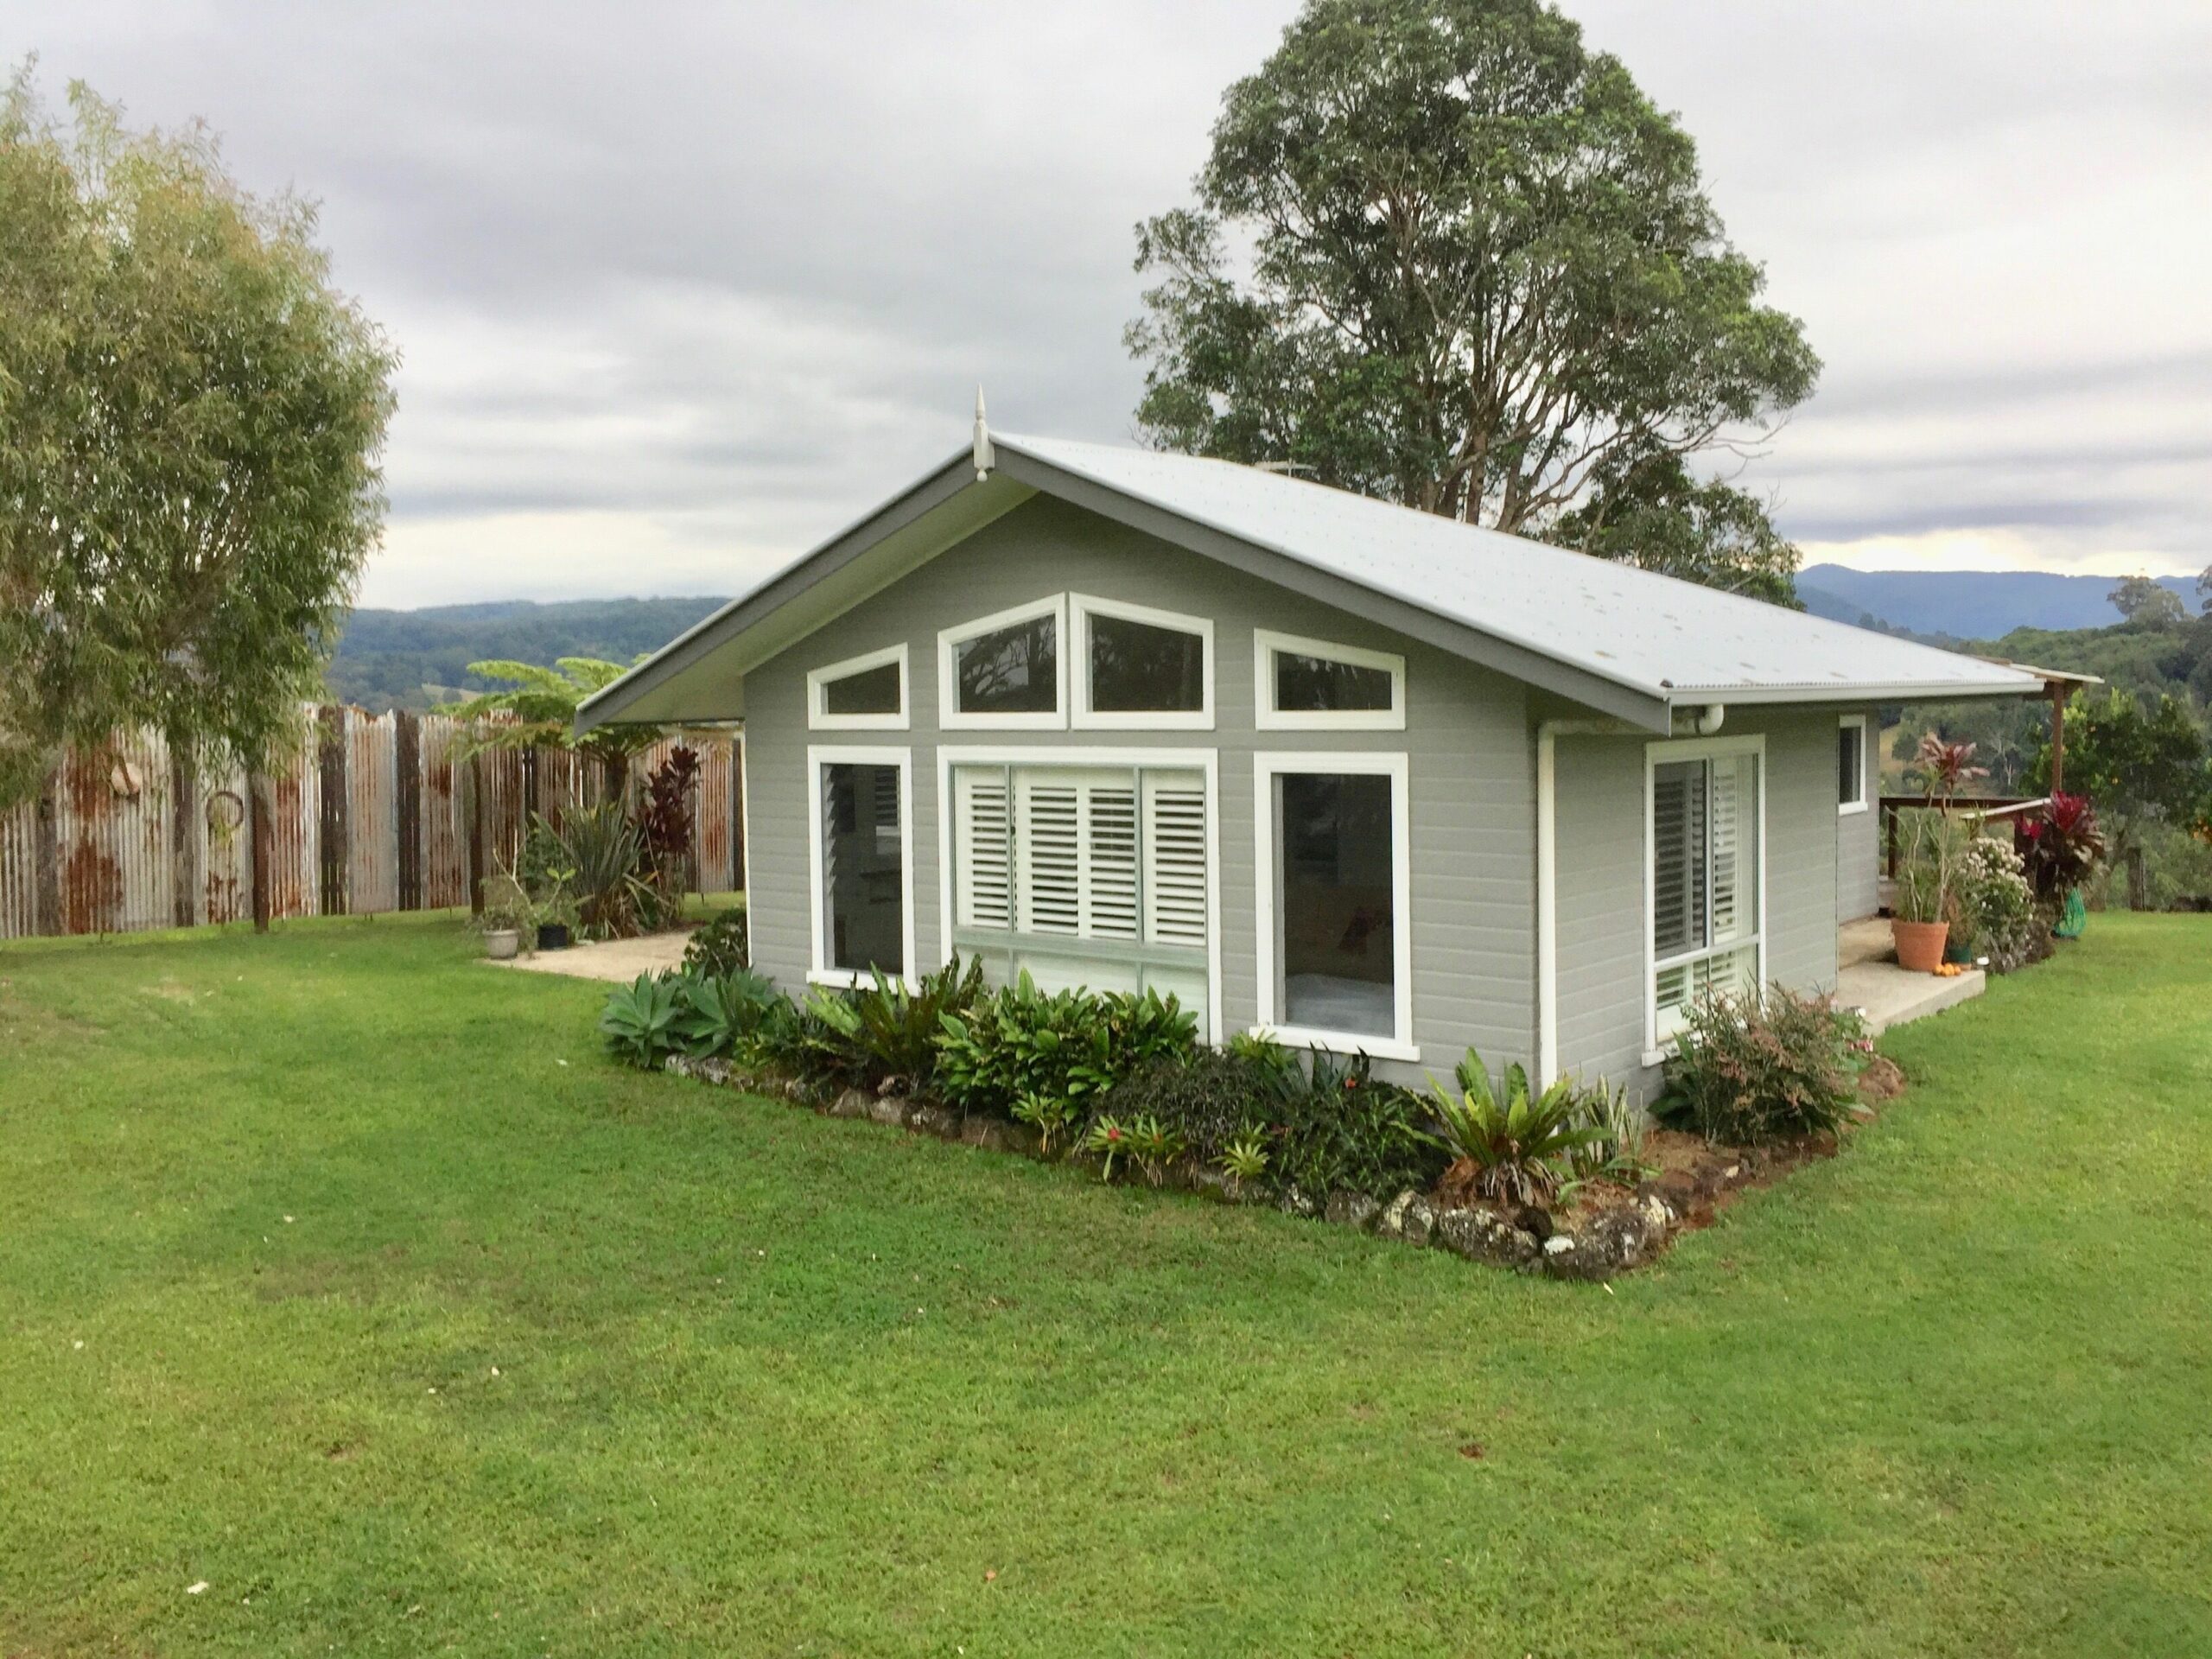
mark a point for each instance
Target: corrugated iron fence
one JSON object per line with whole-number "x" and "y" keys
{"x": 371, "y": 813}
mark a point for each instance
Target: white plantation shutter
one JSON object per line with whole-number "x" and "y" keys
{"x": 1110, "y": 874}
{"x": 982, "y": 832}
{"x": 1705, "y": 892}
{"x": 1732, "y": 804}
{"x": 1048, "y": 856}
{"x": 1678, "y": 876}
{"x": 1175, "y": 859}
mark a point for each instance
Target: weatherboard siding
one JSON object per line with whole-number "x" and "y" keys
{"x": 1602, "y": 876}
{"x": 1470, "y": 766}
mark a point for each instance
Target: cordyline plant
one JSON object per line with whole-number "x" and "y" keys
{"x": 2064, "y": 847}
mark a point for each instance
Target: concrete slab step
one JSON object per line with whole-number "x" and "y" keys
{"x": 1891, "y": 996}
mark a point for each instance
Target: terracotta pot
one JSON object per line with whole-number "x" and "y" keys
{"x": 1919, "y": 945}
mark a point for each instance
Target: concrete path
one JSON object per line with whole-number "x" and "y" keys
{"x": 618, "y": 960}
{"x": 1867, "y": 976}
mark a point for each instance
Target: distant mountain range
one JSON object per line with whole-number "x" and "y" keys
{"x": 1968, "y": 604}
{"x": 412, "y": 659}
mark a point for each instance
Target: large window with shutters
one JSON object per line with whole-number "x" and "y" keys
{"x": 1096, "y": 871}
{"x": 861, "y": 862}
{"x": 1704, "y": 822}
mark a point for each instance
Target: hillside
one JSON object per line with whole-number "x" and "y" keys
{"x": 407, "y": 659}
{"x": 1968, "y": 604}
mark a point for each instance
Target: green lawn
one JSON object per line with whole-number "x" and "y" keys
{"x": 340, "y": 1273}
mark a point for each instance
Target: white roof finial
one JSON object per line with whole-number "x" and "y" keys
{"x": 984, "y": 459}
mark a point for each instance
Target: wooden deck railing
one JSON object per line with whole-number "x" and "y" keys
{"x": 1986, "y": 806}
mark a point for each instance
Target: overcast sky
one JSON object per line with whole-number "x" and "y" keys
{"x": 681, "y": 289}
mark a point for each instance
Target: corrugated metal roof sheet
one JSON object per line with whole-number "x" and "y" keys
{"x": 1669, "y": 638}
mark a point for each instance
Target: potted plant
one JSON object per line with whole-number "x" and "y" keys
{"x": 1921, "y": 922}
{"x": 557, "y": 913}
{"x": 506, "y": 917}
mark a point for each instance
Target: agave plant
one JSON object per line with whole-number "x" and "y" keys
{"x": 640, "y": 1021}
{"x": 1508, "y": 1145}
{"x": 721, "y": 1014}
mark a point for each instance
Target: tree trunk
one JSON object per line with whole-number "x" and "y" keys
{"x": 2138, "y": 879}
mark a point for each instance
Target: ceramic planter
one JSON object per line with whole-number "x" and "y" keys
{"x": 1919, "y": 945}
{"x": 501, "y": 943}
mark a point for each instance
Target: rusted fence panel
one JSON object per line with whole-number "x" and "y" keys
{"x": 365, "y": 813}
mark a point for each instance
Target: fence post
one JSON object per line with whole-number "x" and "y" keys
{"x": 475, "y": 834}
{"x": 407, "y": 766}
{"x": 184, "y": 846}
{"x": 332, "y": 759}
{"x": 48, "y": 832}
{"x": 264, "y": 842}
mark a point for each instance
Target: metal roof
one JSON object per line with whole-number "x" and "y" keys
{"x": 1669, "y": 638}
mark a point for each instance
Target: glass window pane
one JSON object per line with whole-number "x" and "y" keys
{"x": 1336, "y": 932}
{"x": 1679, "y": 847}
{"x": 1012, "y": 670}
{"x": 1139, "y": 667}
{"x": 1318, "y": 685}
{"x": 871, "y": 691}
{"x": 863, "y": 886}
{"x": 1850, "y": 765}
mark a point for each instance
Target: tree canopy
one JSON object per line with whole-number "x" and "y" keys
{"x": 539, "y": 710}
{"x": 191, "y": 418}
{"x": 1477, "y": 274}
{"x": 2140, "y": 599}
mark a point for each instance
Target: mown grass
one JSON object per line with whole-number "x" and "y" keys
{"x": 341, "y": 1274}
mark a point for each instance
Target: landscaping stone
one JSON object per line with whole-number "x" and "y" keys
{"x": 1409, "y": 1217}
{"x": 1482, "y": 1234}
{"x": 1609, "y": 1243}
{"x": 1214, "y": 1184}
{"x": 888, "y": 1109}
{"x": 1675, "y": 1188}
{"x": 934, "y": 1120}
{"x": 854, "y": 1103}
{"x": 1352, "y": 1210}
{"x": 1292, "y": 1202}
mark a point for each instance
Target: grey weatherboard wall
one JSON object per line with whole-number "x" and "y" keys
{"x": 1471, "y": 738}
{"x": 1472, "y": 768}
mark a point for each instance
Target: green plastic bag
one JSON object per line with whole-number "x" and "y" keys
{"x": 2074, "y": 918}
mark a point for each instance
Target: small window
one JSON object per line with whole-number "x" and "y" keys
{"x": 1335, "y": 949}
{"x": 1139, "y": 667}
{"x": 863, "y": 914}
{"x": 1006, "y": 670}
{"x": 861, "y": 694}
{"x": 1312, "y": 685}
{"x": 1704, "y": 827}
{"x": 1851, "y": 764}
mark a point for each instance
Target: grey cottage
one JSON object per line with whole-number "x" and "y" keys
{"x": 1321, "y": 765}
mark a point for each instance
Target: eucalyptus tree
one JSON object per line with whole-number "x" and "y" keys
{"x": 1443, "y": 253}
{"x": 191, "y": 421}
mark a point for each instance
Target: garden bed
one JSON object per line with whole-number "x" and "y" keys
{"x": 1606, "y": 1229}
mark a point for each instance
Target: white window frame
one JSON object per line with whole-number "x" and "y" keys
{"x": 818, "y": 680}
{"x": 1270, "y": 718}
{"x": 1081, "y": 609}
{"x": 1656, "y": 1052}
{"x": 1207, "y": 761}
{"x": 1845, "y": 809}
{"x": 819, "y": 755}
{"x": 1267, "y": 766}
{"x": 951, "y": 717}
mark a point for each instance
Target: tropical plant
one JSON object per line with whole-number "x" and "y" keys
{"x": 1245, "y": 1158}
{"x": 1018, "y": 1042}
{"x": 641, "y": 1021}
{"x": 1332, "y": 1126}
{"x": 1614, "y": 1152}
{"x": 665, "y": 819}
{"x": 724, "y": 1013}
{"x": 2062, "y": 848}
{"x": 1213, "y": 1099}
{"x": 882, "y": 1035}
{"x": 1046, "y": 1113}
{"x": 538, "y": 711}
{"x": 1106, "y": 1139}
{"x": 1931, "y": 843}
{"x": 1508, "y": 1145}
{"x": 2142, "y": 766}
{"x": 1752, "y": 1070}
{"x": 1945, "y": 768}
{"x": 191, "y": 422}
{"x": 1154, "y": 1147}
{"x": 722, "y": 946}
{"x": 600, "y": 844}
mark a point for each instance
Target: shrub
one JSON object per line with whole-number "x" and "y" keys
{"x": 1995, "y": 906}
{"x": 1017, "y": 1043}
{"x": 641, "y": 1021}
{"x": 882, "y": 1035}
{"x": 2062, "y": 848}
{"x": 1213, "y": 1099}
{"x": 1330, "y": 1126}
{"x": 739, "y": 1014}
{"x": 1753, "y": 1070}
{"x": 724, "y": 945}
{"x": 1508, "y": 1145}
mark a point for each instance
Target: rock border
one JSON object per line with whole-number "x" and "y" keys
{"x": 1595, "y": 1246}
